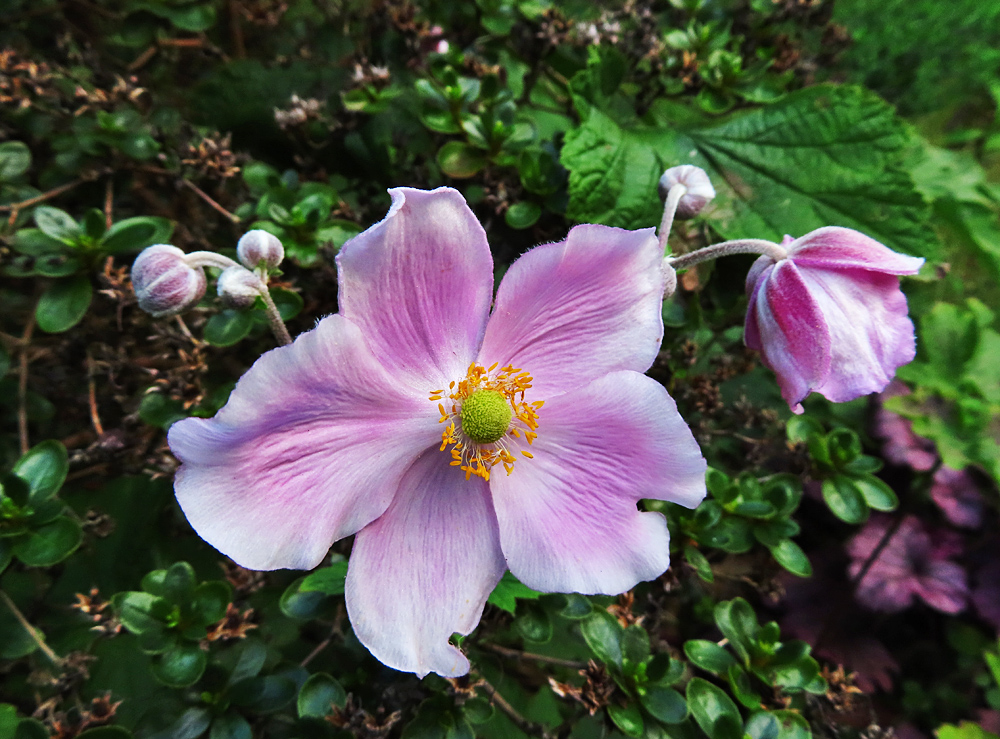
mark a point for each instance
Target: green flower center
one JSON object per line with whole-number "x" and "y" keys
{"x": 486, "y": 416}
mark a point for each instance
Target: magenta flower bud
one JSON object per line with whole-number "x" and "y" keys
{"x": 237, "y": 287}
{"x": 164, "y": 282}
{"x": 829, "y": 317}
{"x": 699, "y": 189}
{"x": 259, "y": 248}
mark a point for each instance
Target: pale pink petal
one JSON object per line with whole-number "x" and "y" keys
{"x": 759, "y": 273}
{"x": 572, "y": 311}
{"x": 424, "y": 570}
{"x": 309, "y": 448}
{"x": 955, "y": 492}
{"x": 944, "y": 587}
{"x": 568, "y": 517}
{"x": 833, "y": 247}
{"x": 418, "y": 285}
{"x": 870, "y": 332}
{"x": 795, "y": 340}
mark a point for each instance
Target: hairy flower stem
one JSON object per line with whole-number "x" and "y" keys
{"x": 211, "y": 259}
{"x": 669, "y": 211}
{"x": 739, "y": 246}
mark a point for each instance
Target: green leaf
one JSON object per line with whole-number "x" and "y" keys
{"x": 251, "y": 661}
{"x": 319, "y": 694}
{"x": 603, "y": 634}
{"x": 533, "y": 623}
{"x": 664, "y": 704}
{"x": 714, "y": 711}
{"x": 877, "y": 494}
{"x": 189, "y": 725}
{"x": 635, "y": 644}
{"x": 577, "y": 606}
{"x": 228, "y": 327}
{"x": 264, "y": 694}
{"x": 230, "y": 725}
{"x": 63, "y": 304}
{"x": 44, "y": 468}
{"x": 523, "y": 214}
{"x": 30, "y": 728}
{"x": 845, "y": 499}
{"x": 327, "y": 580}
{"x": 142, "y": 612}
{"x": 507, "y": 592}
{"x": 211, "y": 600}
{"x": 180, "y": 666}
{"x": 106, "y": 732}
{"x": 49, "y": 544}
{"x": 135, "y": 234}
{"x": 738, "y": 623}
{"x": 15, "y": 158}
{"x": 57, "y": 224}
{"x": 777, "y": 725}
{"x": 288, "y": 302}
{"x": 789, "y": 555}
{"x": 176, "y": 584}
{"x": 460, "y": 160}
{"x": 964, "y": 730}
{"x": 628, "y": 718}
{"x": 157, "y": 409}
{"x": 299, "y": 604}
{"x": 821, "y": 156}
{"x": 15, "y": 641}
{"x": 708, "y": 656}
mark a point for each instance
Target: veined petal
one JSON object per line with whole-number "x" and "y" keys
{"x": 424, "y": 570}
{"x": 575, "y": 310}
{"x": 310, "y": 448}
{"x": 870, "y": 332}
{"x": 568, "y": 518}
{"x": 756, "y": 279}
{"x": 844, "y": 248}
{"x": 418, "y": 284}
{"x": 795, "y": 341}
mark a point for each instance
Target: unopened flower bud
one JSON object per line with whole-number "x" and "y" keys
{"x": 164, "y": 282}
{"x": 237, "y": 287}
{"x": 699, "y": 189}
{"x": 260, "y": 249}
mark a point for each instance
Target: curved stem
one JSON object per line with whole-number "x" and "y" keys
{"x": 209, "y": 259}
{"x": 669, "y": 211}
{"x": 739, "y": 246}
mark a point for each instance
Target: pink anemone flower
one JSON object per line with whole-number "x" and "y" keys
{"x": 829, "y": 317}
{"x": 453, "y": 442}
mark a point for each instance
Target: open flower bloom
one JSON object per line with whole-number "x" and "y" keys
{"x": 454, "y": 443}
{"x": 830, "y": 317}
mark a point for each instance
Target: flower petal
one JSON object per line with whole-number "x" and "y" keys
{"x": 794, "y": 338}
{"x": 870, "y": 332}
{"x": 309, "y": 448}
{"x": 845, "y": 248}
{"x": 424, "y": 570}
{"x": 419, "y": 284}
{"x": 573, "y": 311}
{"x": 568, "y": 518}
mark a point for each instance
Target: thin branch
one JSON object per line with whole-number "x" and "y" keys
{"x": 95, "y": 418}
{"x": 32, "y": 632}
{"x": 528, "y": 727}
{"x": 15, "y": 208}
{"x": 518, "y": 654}
{"x": 207, "y": 198}
{"x": 109, "y": 197}
{"x": 22, "y": 385}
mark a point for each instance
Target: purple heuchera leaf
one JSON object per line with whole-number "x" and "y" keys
{"x": 902, "y": 446}
{"x": 454, "y": 442}
{"x": 958, "y": 497}
{"x": 830, "y": 317}
{"x": 913, "y": 564}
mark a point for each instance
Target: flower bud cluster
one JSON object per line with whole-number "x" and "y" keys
{"x": 167, "y": 281}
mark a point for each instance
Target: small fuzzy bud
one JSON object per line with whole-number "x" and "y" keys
{"x": 260, "y": 249}
{"x": 237, "y": 287}
{"x": 164, "y": 282}
{"x": 699, "y": 189}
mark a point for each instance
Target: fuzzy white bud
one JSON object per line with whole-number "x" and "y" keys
{"x": 164, "y": 282}
{"x": 699, "y": 189}
{"x": 259, "y": 248}
{"x": 238, "y": 287}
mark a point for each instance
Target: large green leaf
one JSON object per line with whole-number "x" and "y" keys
{"x": 819, "y": 157}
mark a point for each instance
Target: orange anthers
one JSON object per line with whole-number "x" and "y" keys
{"x": 475, "y": 458}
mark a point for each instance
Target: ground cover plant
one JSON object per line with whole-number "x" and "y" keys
{"x": 514, "y": 451}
